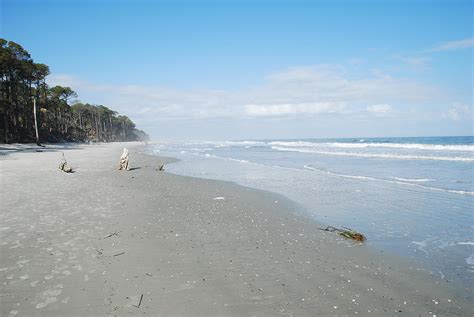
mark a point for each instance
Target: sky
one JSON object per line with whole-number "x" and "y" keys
{"x": 220, "y": 70}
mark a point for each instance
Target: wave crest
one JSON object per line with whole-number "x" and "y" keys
{"x": 459, "y": 192}
{"x": 377, "y": 155}
{"x": 409, "y": 146}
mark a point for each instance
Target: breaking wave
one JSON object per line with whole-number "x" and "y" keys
{"x": 413, "y": 179}
{"x": 460, "y": 192}
{"x": 410, "y": 146}
{"x": 377, "y": 155}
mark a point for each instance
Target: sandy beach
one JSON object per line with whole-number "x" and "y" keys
{"x": 102, "y": 242}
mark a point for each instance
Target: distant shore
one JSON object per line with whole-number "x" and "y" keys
{"x": 106, "y": 242}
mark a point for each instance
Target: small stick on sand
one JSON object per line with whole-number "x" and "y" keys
{"x": 119, "y": 253}
{"x": 110, "y": 235}
{"x": 161, "y": 168}
{"x": 140, "y": 302}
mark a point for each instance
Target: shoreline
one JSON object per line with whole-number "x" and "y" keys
{"x": 300, "y": 210}
{"x": 421, "y": 224}
{"x": 184, "y": 250}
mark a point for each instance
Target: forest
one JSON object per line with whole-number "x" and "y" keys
{"x": 32, "y": 111}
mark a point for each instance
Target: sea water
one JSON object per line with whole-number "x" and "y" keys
{"x": 410, "y": 196}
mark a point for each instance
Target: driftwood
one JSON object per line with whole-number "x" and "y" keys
{"x": 139, "y": 303}
{"x": 63, "y": 166}
{"x": 124, "y": 163}
{"x": 161, "y": 168}
{"x": 346, "y": 233}
{"x": 110, "y": 235}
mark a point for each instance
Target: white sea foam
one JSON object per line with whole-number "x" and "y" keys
{"x": 460, "y": 192}
{"x": 207, "y": 155}
{"x": 237, "y": 160}
{"x": 466, "y": 243}
{"x": 411, "y": 146}
{"x": 422, "y": 245}
{"x": 470, "y": 263}
{"x": 378, "y": 155}
{"x": 246, "y": 144}
{"x": 199, "y": 150}
{"x": 413, "y": 179}
{"x": 296, "y": 144}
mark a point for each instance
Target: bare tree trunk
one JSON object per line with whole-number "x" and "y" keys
{"x": 5, "y": 123}
{"x": 36, "y": 121}
{"x": 96, "y": 130}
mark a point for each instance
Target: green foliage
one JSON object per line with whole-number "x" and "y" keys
{"x": 22, "y": 80}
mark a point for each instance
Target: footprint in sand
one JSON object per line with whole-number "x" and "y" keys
{"x": 52, "y": 292}
{"x": 21, "y": 262}
{"x": 46, "y": 303}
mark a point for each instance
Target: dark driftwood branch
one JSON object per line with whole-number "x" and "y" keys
{"x": 161, "y": 168}
{"x": 119, "y": 253}
{"x": 110, "y": 235}
{"x": 140, "y": 302}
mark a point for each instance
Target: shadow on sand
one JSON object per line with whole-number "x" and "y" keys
{"x": 6, "y": 149}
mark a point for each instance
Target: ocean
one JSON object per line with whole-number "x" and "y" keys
{"x": 412, "y": 197}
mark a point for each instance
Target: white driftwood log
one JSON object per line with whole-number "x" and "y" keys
{"x": 63, "y": 165}
{"x": 124, "y": 164}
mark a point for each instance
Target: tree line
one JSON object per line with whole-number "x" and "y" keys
{"x": 31, "y": 111}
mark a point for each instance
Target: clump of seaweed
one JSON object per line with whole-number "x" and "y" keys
{"x": 346, "y": 233}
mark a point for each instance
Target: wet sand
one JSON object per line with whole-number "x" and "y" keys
{"x": 103, "y": 242}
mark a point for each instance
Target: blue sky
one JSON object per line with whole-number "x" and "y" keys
{"x": 260, "y": 69}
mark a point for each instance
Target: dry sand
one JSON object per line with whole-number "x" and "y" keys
{"x": 93, "y": 242}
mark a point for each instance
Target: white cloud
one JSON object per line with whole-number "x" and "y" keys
{"x": 382, "y": 110}
{"x": 415, "y": 62}
{"x": 299, "y": 91}
{"x": 454, "y": 45}
{"x": 458, "y": 112}
{"x": 295, "y": 109}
